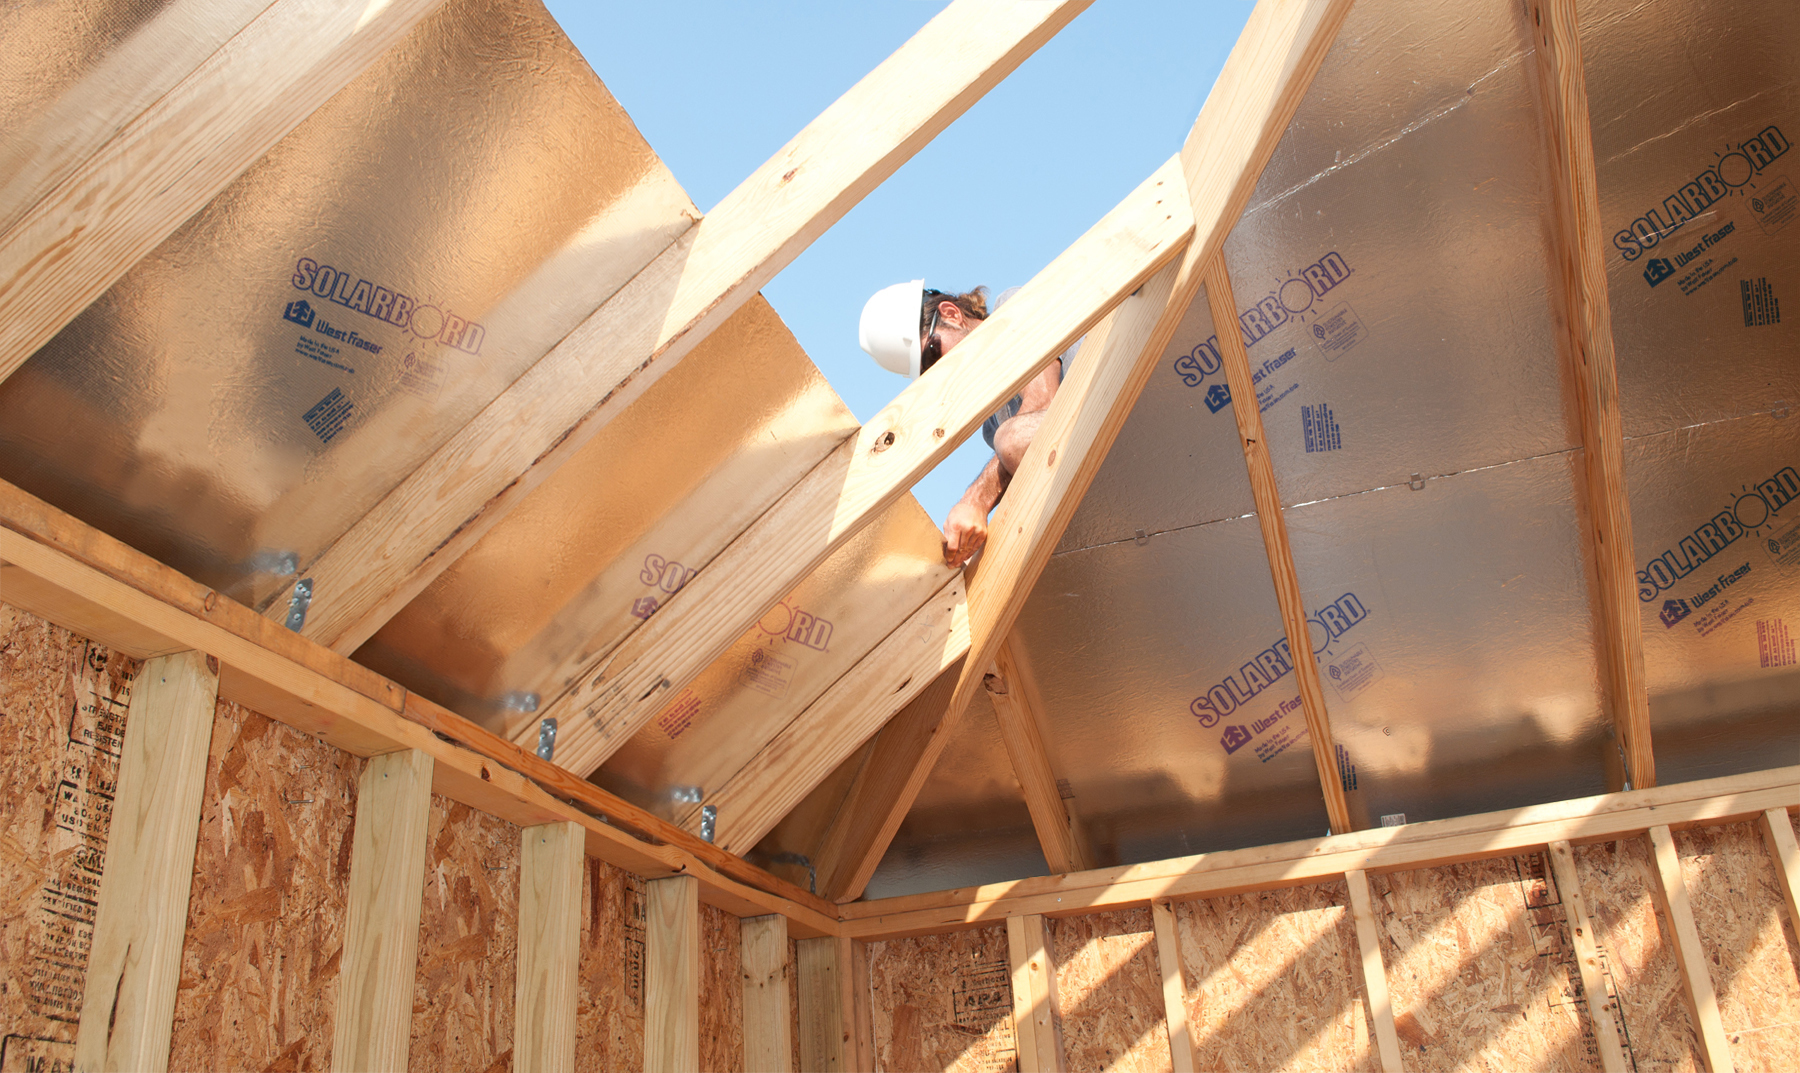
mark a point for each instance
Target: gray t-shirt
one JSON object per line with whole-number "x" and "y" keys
{"x": 1011, "y": 410}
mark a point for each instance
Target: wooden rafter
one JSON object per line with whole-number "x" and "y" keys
{"x": 1605, "y": 818}
{"x": 1269, "y": 517}
{"x": 1246, "y": 113}
{"x": 855, "y": 483}
{"x": 1580, "y": 248}
{"x": 1020, "y": 717}
{"x": 463, "y": 490}
{"x": 171, "y": 160}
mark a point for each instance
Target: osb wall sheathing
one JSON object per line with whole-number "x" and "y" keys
{"x": 1109, "y": 993}
{"x": 1642, "y": 980}
{"x": 943, "y": 1002}
{"x": 609, "y": 1014}
{"x": 259, "y": 966}
{"x": 1273, "y": 981}
{"x": 1749, "y": 942}
{"x": 721, "y": 992}
{"x": 1479, "y": 968}
{"x": 62, "y": 718}
{"x": 468, "y": 942}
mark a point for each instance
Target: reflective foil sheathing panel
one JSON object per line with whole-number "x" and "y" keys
{"x": 239, "y": 398}
{"x": 1695, "y": 107}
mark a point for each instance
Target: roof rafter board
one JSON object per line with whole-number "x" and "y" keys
{"x": 1249, "y": 108}
{"x": 180, "y": 152}
{"x": 864, "y": 475}
{"x": 88, "y": 581}
{"x": 772, "y": 784}
{"x": 1732, "y": 799}
{"x": 1580, "y": 247}
{"x": 1020, "y": 716}
{"x": 1283, "y": 574}
{"x": 438, "y": 512}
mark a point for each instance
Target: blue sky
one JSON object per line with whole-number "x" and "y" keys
{"x": 717, "y": 87}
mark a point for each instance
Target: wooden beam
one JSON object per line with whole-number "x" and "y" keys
{"x": 857, "y": 1003}
{"x": 1282, "y": 572}
{"x": 548, "y": 988}
{"x": 373, "y": 1026}
{"x": 768, "y": 1039}
{"x": 1246, "y": 113}
{"x": 858, "y": 481}
{"x": 824, "y": 1030}
{"x": 1670, "y": 892}
{"x": 180, "y": 152}
{"x": 1168, "y": 959}
{"x": 140, "y": 922}
{"x": 1021, "y": 728}
{"x": 607, "y": 362}
{"x": 1034, "y": 996}
{"x": 672, "y": 975}
{"x": 1580, "y": 245}
{"x": 1608, "y": 817}
{"x": 902, "y": 667}
{"x": 1374, "y": 973}
{"x": 1778, "y": 834}
{"x": 1587, "y": 958}
{"x": 92, "y": 583}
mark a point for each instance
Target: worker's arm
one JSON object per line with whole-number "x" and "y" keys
{"x": 965, "y": 529}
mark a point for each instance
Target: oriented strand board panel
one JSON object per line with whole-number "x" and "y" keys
{"x": 1480, "y": 969}
{"x": 468, "y": 942}
{"x": 1749, "y": 942}
{"x": 1109, "y": 993}
{"x": 1636, "y": 961}
{"x": 943, "y": 1002}
{"x": 62, "y": 716}
{"x": 721, "y": 992}
{"x": 1272, "y": 981}
{"x": 265, "y": 928}
{"x": 609, "y": 1019}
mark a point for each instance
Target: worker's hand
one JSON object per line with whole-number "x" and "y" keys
{"x": 965, "y": 531}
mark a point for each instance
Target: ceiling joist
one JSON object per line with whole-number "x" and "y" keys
{"x": 1020, "y": 717}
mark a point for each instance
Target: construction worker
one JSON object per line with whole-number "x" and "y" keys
{"x": 906, "y": 328}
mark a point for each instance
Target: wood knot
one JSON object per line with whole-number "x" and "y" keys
{"x": 211, "y": 601}
{"x": 790, "y": 175}
{"x": 883, "y": 442}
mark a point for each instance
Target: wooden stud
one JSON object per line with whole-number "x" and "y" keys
{"x": 81, "y": 572}
{"x": 857, "y": 1003}
{"x": 672, "y": 975}
{"x": 1587, "y": 959}
{"x": 548, "y": 991}
{"x": 901, "y": 668}
{"x": 857, "y": 482}
{"x": 1374, "y": 973}
{"x": 177, "y": 154}
{"x": 1670, "y": 893}
{"x": 373, "y": 1027}
{"x": 1168, "y": 959}
{"x": 1778, "y": 834}
{"x": 1246, "y": 113}
{"x": 1020, "y": 720}
{"x": 1430, "y": 844}
{"x": 444, "y": 507}
{"x": 140, "y": 922}
{"x": 822, "y": 1013}
{"x": 1581, "y": 247}
{"x": 1034, "y": 996}
{"x": 768, "y": 1039}
{"x": 1282, "y": 572}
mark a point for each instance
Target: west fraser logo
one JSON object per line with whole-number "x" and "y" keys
{"x": 1234, "y": 738}
{"x": 1218, "y": 397}
{"x": 1674, "y": 611}
{"x": 1274, "y": 662}
{"x": 299, "y": 312}
{"x": 1659, "y": 270}
{"x": 1751, "y": 510}
{"x": 1293, "y": 298}
{"x": 1732, "y": 171}
{"x": 387, "y": 304}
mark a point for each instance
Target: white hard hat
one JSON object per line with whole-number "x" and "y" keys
{"x": 889, "y": 329}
